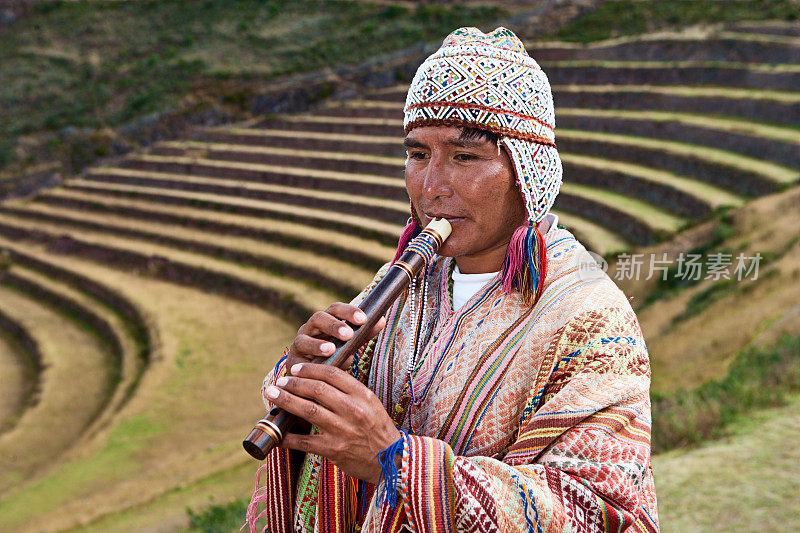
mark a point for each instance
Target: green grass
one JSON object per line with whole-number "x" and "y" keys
{"x": 712, "y": 195}
{"x": 219, "y": 518}
{"x": 720, "y": 289}
{"x": 655, "y": 217}
{"x": 7, "y": 155}
{"x": 756, "y": 378}
{"x": 747, "y": 481}
{"x": 669, "y": 64}
{"x": 766, "y": 169}
{"x": 672, "y": 284}
{"x": 70, "y": 478}
{"x": 785, "y": 134}
{"x": 618, "y": 18}
{"x": 101, "y": 64}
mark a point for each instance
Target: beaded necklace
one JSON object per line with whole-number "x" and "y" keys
{"x": 410, "y": 398}
{"x": 402, "y": 408}
{"x": 420, "y": 319}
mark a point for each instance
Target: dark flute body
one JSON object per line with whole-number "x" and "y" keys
{"x": 269, "y": 431}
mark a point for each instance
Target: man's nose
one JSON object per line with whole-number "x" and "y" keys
{"x": 437, "y": 178}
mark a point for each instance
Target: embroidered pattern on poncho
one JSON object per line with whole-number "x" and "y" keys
{"x": 532, "y": 419}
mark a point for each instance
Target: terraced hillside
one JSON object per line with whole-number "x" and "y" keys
{"x": 141, "y": 301}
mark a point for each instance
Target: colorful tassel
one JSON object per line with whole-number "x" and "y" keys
{"x": 389, "y": 475}
{"x": 277, "y": 501}
{"x": 409, "y": 232}
{"x": 525, "y": 266}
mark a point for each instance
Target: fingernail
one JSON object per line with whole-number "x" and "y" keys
{"x": 282, "y": 381}
{"x": 328, "y": 347}
{"x": 360, "y": 316}
{"x": 344, "y": 331}
{"x": 296, "y": 368}
{"x": 273, "y": 392}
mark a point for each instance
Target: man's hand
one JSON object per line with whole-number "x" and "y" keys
{"x": 313, "y": 338}
{"x": 353, "y": 425}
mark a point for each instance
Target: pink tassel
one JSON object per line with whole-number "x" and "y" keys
{"x": 515, "y": 259}
{"x": 259, "y": 495}
{"x": 525, "y": 265}
{"x": 405, "y": 237}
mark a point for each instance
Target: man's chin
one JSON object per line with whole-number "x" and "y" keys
{"x": 452, "y": 248}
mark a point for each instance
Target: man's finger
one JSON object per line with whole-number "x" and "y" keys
{"x": 329, "y": 374}
{"x": 316, "y": 443}
{"x": 324, "y": 323}
{"x": 305, "y": 409}
{"x": 348, "y": 312}
{"x": 307, "y": 346}
{"x": 316, "y": 391}
{"x": 378, "y": 327}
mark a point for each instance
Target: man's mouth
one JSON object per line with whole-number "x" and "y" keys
{"x": 452, "y": 219}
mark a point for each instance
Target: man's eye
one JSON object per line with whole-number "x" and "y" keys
{"x": 466, "y": 157}
{"x": 416, "y": 155}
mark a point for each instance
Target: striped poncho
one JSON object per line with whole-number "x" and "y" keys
{"x": 520, "y": 418}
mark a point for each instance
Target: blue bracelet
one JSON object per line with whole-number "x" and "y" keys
{"x": 389, "y": 474}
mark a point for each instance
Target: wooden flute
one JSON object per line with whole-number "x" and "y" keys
{"x": 268, "y": 432}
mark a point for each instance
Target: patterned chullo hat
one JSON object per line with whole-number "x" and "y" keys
{"x": 489, "y": 82}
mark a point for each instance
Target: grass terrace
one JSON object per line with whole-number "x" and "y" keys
{"x": 626, "y": 17}
{"x": 101, "y": 65}
{"x": 143, "y": 299}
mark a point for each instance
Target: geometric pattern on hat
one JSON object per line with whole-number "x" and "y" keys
{"x": 540, "y": 167}
{"x": 488, "y": 81}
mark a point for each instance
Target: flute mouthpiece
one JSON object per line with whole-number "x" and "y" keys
{"x": 440, "y": 226}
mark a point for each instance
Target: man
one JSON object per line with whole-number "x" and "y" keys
{"x": 506, "y": 390}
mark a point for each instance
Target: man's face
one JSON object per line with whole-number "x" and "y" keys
{"x": 469, "y": 182}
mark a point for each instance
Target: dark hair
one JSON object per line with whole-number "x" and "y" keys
{"x": 468, "y": 134}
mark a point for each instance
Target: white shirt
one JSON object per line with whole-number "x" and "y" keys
{"x": 466, "y": 285}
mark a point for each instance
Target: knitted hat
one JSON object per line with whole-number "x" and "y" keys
{"x": 489, "y": 82}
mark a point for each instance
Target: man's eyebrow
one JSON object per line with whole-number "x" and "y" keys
{"x": 457, "y": 142}
{"x": 465, "y": 143}
{"x": 410, "y": 142}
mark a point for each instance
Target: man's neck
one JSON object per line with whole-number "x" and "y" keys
{"x": 492, "y": 261}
